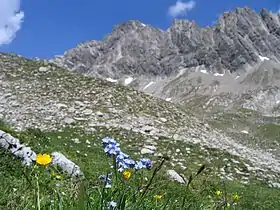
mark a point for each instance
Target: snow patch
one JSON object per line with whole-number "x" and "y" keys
{"x": 218, "y": 75}
{"x": 203, "y": 71}
{"x": 237, "y": 77}
{"x": 128, "y": 80}
{"x": 148, "y": 85}
{"x": 263, "y": 58}
{"x": 143, "y": 24}
{"x": 111, "y": 80}
{"x": 181, "y": 72}
{"x": 168, "y": 99}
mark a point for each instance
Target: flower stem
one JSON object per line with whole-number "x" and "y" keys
{"x": 115, "y": 168}
{"x": 38, "y": 193}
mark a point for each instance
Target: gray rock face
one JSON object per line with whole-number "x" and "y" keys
{"x": 134, "y": 48}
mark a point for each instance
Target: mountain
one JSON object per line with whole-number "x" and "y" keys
{"x": 228, "y": 61}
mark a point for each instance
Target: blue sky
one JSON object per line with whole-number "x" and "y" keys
{"x": 45, "y": 28}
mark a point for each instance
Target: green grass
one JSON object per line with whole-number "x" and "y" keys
{"x": 20, "y": 191}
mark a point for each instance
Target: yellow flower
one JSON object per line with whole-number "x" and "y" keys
{"x": 43, "y": 159}
{"x": 158, "y": 197}
{"x": 127, "y": 175}
{"x": 58, "y": 177}
{"x": 235, "y": 197}
{"x": 218, "y": 193}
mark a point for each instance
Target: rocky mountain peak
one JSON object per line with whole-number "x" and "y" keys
{"x": 128, "y": 26}
{"x": 186, "y": 58}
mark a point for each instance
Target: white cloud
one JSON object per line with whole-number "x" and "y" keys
{"x": 180, "y": 8}
{"x": 10, "y": 20}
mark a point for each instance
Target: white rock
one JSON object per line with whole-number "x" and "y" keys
{"x": 76, "y": 141}
{"x": 147, "y": 129}
{"x": 26, "y": 155}
{"x": 159, "y": 154}
{"x": 244, "y": 131}
{"x": 79, "y": 103}
{"x": 146, "y": 151}
{"x": 162, "y": 119}
{"x": 68, "y": 120}
{"x": 99, "y": 114}
{"x": 173, "y": 175}
{"x": 60, "y": 106}
{"x": 43, "y": 69}
{"x": 67, "y": 165}
{"x": 150, "y": 147}
{"x": 87, "y": 112}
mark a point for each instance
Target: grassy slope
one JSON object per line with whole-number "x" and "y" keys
{"x": 94, "y": 163}
{"x": 17, "y": 190}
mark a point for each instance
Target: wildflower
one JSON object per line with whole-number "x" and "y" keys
{"x": 158, "y": 197}
{"x": 121, "y": 156}
{"x": 129, "y": 162}
{"x": 106, "y": 179}
{"x": 112, "y": 149}
{"x": 43, "y": 159}
{"x": 127, "y": 175}
{"x": 125, "y": 163}
{"x": 235, "y": 197}
{"x": 144, "y": 163}
{"x": 218, "y": 193}
{"x": 107, "y": 140}
{"x": 58, "y": 177}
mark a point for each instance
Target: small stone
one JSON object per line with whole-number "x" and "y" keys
{"x": 79, "y": 103}
{"x": 43, "y": 69}
{"x": 147, "y": 129}
{"x": 76, "y": 141}
{"x": 245, "y": 132}
{"x": 69, "y": 121}
{"x": 61, "y": 106}
{"x": 150, "y": 147}
{"x": 99, "y": 114}
{"x": 173, "y": 175}
{"x": 146, "y": 151}
{"x": 87, "y": 112}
